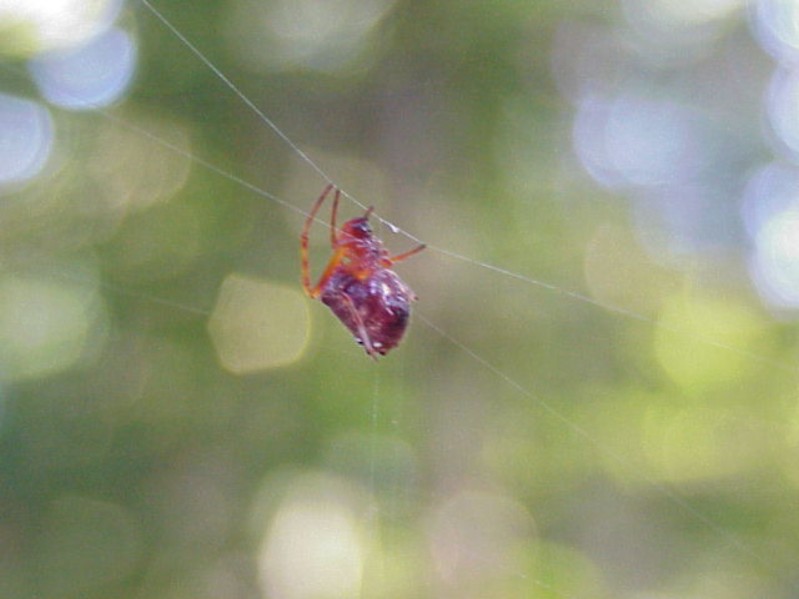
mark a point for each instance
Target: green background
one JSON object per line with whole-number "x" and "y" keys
{"x": 571, "y": 415}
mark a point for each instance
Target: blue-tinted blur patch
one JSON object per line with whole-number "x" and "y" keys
{"x": 781, "y": 102}
{"x": 771, "y": 216}
{"x": 94, "y": 74}
{"x": 775, "y": 24}
{"x": 632, "y": 140}
{"x": 26, "y": 139}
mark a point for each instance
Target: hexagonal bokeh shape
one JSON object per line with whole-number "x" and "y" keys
{"x": 257, "y": 325}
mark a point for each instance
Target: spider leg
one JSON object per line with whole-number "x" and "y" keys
{"x": 334, "y": 262}
{"x": 400, "y": 257}
{"x": 305, "y": 265}
{"x": 362, "y": 332}
{"x": 333, "y": 233}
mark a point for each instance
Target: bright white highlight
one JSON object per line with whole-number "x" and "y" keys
{"x": 43, "y": 25}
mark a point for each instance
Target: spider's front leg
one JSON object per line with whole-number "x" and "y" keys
{"x": 304, "y": 260}
{"x": 332, "y": 265}
{"x": 333, "y": 213}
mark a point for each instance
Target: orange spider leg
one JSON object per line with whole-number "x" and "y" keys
{"x": 335, "y": 261}
{"x": 306, "y": 268}
{"x": 333, "y": 234}
{"x": 400, "y": 257}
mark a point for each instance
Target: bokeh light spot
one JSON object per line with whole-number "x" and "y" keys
{"x": 131, "y": 172}
{"x": 314, "y": 548}
{"x": 94, "y": 74}
{"x": 776, "y": 26}
{"x": 775, "y": 265}
{"x": 701, "y": 342}
{"x": 771, "y": 214}
{"x": 33, "y": 26}
{"x": 323, "y": 35}
{"x": 45, "y": 326}
{"x": 781, "y": 102}
{"x": 258, "y": 325}
{"x": 670, "y": 31}
{"x": 477, "y": 537}
{"x": 634, "y": 140}
{"x": 26, "y": 139}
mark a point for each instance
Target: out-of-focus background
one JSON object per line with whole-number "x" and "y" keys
{"x": 597, "y": 397}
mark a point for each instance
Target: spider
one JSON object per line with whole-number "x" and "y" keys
{"x": 358, "y": 284}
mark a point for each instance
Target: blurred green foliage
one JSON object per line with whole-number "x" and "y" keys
{"x": 584, "y": 421}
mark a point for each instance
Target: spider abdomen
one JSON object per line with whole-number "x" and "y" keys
{"x": 376, "y": 309}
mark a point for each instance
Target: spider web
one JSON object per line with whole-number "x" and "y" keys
{"x": 531, "y": 471}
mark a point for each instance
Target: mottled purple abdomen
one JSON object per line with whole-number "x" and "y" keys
{"x": 376, "y": 310}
